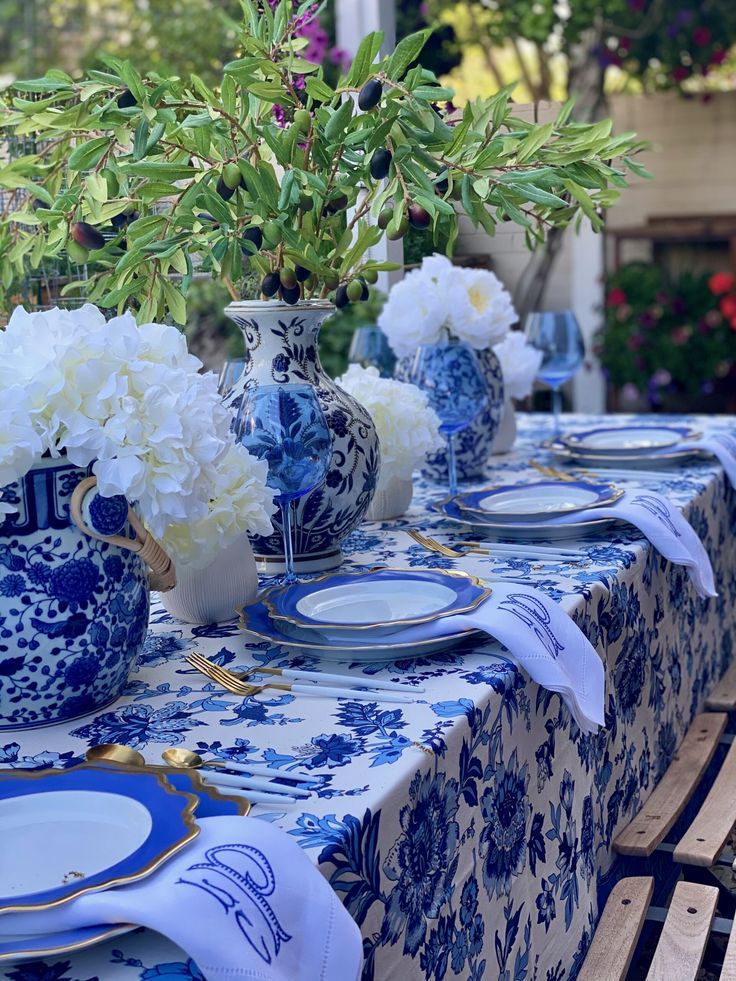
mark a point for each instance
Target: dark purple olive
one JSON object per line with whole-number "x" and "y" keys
{"x": 442, "y": 184}
{"x": 126, "y": 99}
{"x": 223, "y": 190}
{"x": 338, "y": 203}
{"x": 290, "y": 295}
{"x": 380, "y": 164}
{"x": 87, "y": 235}
{"x": 365, "y": 292}
{"x": 418, "y": 216}
{"x": 301, "y": 273}
{"x": 270, "y": 284}
{"x": 370, "y": 95}
{"x": 341, "y": 297}
{"x": 254, "y": 234}
{"x": 205, "y": 216}
{"x": 39, "y": 204}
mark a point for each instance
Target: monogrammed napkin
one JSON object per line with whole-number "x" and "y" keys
{"x": 243, "y": 901}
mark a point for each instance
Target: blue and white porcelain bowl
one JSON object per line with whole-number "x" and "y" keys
{"x": 73, "y": 610}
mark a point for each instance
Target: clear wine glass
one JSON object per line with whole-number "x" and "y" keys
{"x": 559, "y": 338}
{"x": 370, "y": 348}
{"x": 229, "y": 374}
{"x": 456, "y": 389}
{"x": 285, "y": 425}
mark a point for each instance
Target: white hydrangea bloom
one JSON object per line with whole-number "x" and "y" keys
{"x": 408, "y": 429}
{"x": 439, "y": 300}
{"x": 520, "y": 363}
{"x": 240, "y": 502}
{"x": 20, "y": 444}
{"x": 128, "y": 399}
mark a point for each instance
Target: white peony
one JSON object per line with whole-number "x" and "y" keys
{"x": 441, "y": 300}
{"x": 240, "y": 502}
{"x": 520, "y": 363}
{"x": 408, "y": 429}
{"x": 128, "y": 399}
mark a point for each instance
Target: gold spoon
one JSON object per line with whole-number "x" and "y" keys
{"x": 185, "y": 759}
{"x": 114, "y": 753}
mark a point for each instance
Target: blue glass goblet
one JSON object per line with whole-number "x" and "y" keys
{"x": 285, "y": 426}
{"x": 370, "y": 348}
{"x": 559, "y": 338}
{"x": 456, "y": 389}
{"x": 229, "y": 374}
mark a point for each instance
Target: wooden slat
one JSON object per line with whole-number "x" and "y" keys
{"x": 728, "y": 971}
{"x": 703, "y": 841}
{"x": 723, "y": 696}
{"x": 681, "y": 946}
{"x": 616, "y": 936}
{"x": 674, "y": 790}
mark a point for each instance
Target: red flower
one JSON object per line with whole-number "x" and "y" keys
{"x": 718, "y": 56}
{"x": 721, "y": 282}
{"x": 680, "y": 73}
{"x": 637, "y": 5}
{"x": 702, "y": 35}
{"x": 615, "y": 297}
{"x": 728, "y": 306}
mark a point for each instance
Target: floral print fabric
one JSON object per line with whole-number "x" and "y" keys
{"x": 467, "y": 833}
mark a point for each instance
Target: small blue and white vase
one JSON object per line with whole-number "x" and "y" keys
{"x": 473, "y": 444}
{"x": 73, "y": 609}
{"x": 281, "y": 344}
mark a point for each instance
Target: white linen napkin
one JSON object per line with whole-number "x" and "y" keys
{"x": 542, "y": 639}
{"x": 721, "y": 445}
{"x": 664, "y": 526}
{"x": 242, "y": 899}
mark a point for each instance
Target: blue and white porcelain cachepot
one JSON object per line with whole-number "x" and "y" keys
{"x": 474, "y": 444}
{"x": 281, "y": 343}
{"x": 73, "y": 609}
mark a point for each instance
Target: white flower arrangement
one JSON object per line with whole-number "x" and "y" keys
{"x": 131, "y": 401}
{"x": 439, "y": 300}
{"x": 408, "y": 429}
{"x": 520, "y": 363}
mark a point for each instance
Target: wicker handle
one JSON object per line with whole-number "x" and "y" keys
{"x": 144, "y": 544}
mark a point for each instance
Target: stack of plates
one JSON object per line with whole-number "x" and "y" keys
{"x": 636, "y": 446}
{"x": 524, "y": 510}
{"x": 365, "y": 616}
{"x": 69, "y": 832}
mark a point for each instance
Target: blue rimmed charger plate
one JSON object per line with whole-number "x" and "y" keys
{"x": 627, "y": 440}
{"x": 68, "y": 832}
{"x": 256, "y": 620}
{"x": 537, "y": 501}
{"x": 375, "y": 603}
{"x": 536, "y": 530}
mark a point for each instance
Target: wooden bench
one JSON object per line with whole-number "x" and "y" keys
{"x": 723, "y": 696}
{"x": 703, "y": 841}
{"x": 688, "y": 923}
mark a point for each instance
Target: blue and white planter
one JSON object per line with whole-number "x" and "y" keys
{"x": 73, "y": 609}
{"x": 474, "y": 445}
{"x": 281, "y": 345}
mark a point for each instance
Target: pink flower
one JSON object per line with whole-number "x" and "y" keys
{"x": 681, "y": 335}
{"x": 702, "y": 35}
{"x": 721, "y": 282}
{"x": 616, "y": 297}
{"x": 630, "y": 393}
{"x": 680, "y": 73}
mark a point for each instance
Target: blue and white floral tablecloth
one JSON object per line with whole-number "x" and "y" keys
{"x": 465, "y": 833}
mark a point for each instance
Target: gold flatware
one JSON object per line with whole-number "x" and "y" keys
{"x": 114, "y": 753}
{"x": 233, "y": 684}
{"x": 185, "y": 759}
{"x": 434, "y": 546}
{"x": 551, "y": 472}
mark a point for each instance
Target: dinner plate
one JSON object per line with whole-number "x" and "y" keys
{"x": 636, "y": 461}
{"x": 68, "y": 832}
{"x": 627, "y": 440}
{"x": 212, "y": 803}
{"x": 256, "y": 619}
{"x": 538, "y": 501}
{"x": 543, "y": 531}
{"x": 379, "y": 601}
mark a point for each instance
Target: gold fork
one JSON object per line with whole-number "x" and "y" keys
{"x": 434, "y": 546}
{"x": 232, "y": 683}
{"x": 550, "y": 472}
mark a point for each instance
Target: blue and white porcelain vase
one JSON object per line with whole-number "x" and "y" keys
{"x": 73, "y": 609}
{"x": 281, "y": 344}
{"x": 473, "y": 444}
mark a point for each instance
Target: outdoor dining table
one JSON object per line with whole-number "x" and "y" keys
{"x": 466, "y": 832}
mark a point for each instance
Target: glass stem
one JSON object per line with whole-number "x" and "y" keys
{"x": 452, "y": 463}
{"x": 289, "y": 574}
{"x": 557, "y": 408}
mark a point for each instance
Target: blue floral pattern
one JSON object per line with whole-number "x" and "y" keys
{"x": 469, "y": 834}
{"x": 282, "y": 348}
{"x": 73, "y": 610}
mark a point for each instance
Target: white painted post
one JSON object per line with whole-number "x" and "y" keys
{"x": 354, "y": 19}
{"x": 586, "y": 296}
